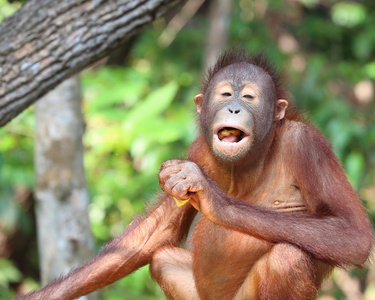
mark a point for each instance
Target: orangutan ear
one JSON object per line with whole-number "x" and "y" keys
{"x": 198, "y": 99}
{"x": 281, "y": 106}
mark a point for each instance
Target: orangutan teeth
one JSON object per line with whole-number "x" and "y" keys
{"x": 226, "y": 132}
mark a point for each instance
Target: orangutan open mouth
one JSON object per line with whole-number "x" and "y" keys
{"x": 230, "y": 135}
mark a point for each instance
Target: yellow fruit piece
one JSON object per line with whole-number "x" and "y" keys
{"x": 180, "y": 202}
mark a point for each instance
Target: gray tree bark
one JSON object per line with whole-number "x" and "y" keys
{"x": 218, "y": 32}
{"x": 47, "y": 41}
{"x": 64, "y": 235}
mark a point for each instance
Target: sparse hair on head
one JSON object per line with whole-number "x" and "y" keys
{"x": 238, "y": 55}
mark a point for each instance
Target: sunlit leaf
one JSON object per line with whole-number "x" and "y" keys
{"x": 6, "y": 142}
{"x": 8, "y": 273}
{"x": 154, "y": 104}
{"x": 348, "y": 14}
{"x": 370, "y": 70}
{"x": 354, "y": 166}
{"x": 309, "y": 3}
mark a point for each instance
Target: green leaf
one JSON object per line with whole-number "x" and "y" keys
{"x": 370, "y": 70}
{"x": 154, "y": 104}
{"x": 363, "y": 46}
{"x": 348, "y": 14}
{"x": 309, "y": 3}
{"x": 8, "y": 273}
{"x": 7, "y": 142}
{"x": 355, "y": 165}
{"x": 340, "y": 134}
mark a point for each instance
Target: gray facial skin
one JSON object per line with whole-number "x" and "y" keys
{"x": 240, "y": 96}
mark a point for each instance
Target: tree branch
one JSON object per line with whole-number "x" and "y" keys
{"x": 47, "y": 41}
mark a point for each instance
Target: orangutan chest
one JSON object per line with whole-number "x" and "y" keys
{"x": 283, "y": 199}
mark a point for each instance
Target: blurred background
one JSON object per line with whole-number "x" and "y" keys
{"x": 139, "y": 111}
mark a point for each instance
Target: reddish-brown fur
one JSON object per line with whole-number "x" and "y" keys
{"x": 269, "y": 230}
{"x": 237, "y": 56}
{"x": 164, "y": 225}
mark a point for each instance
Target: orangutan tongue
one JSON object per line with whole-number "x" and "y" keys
{"x": 231, "y": 139}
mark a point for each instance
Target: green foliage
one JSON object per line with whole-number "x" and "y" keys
{"x": 138, "y": 286}
{"x": 134, "y": 128}
{"x": 16, "y": 169}
{"x": 7, "y": 8}
{"x": 8, "y": 273}
{"x": 348, "y": 14}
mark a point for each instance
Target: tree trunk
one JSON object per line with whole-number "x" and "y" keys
{"x": 64, "y": 236}
{"x": 47, "y": 41}
{"x": 218, "y": 32}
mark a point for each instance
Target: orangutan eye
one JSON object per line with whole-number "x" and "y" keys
{"x": 226, "y": 94}
{"x": 248, "y": 96}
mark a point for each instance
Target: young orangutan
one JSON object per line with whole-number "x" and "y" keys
{"x": 277, "y": 210}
